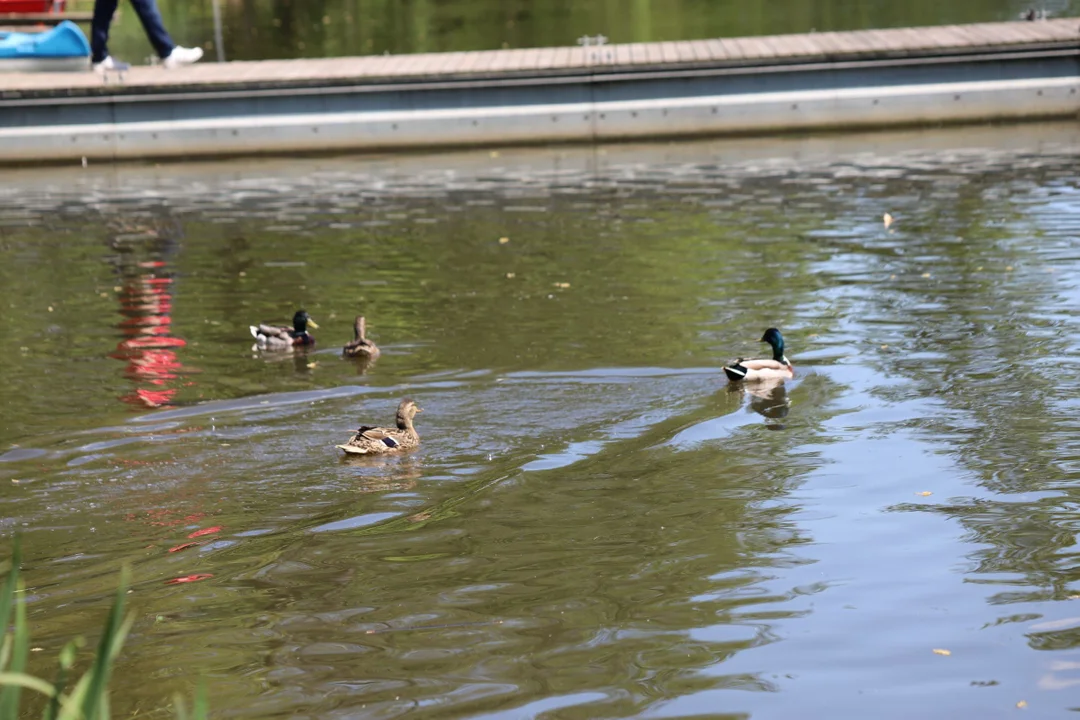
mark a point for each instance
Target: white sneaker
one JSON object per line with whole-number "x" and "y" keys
{"x": 110, "y": 64}
{"x": 182, "y": 56}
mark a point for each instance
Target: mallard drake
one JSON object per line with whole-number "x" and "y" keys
{"x": 360, "y": 347}
{"x": 369, "y": 440}
{"x": 270, "y": 337}
{"x": 779, "y": 368}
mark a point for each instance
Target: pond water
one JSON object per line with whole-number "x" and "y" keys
{"x": 596, "y": 524}
{"x": 261, "y": 29}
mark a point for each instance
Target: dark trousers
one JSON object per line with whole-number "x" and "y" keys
{"x": 149, "y": 16}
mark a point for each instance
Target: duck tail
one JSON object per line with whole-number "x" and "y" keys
{"x": 735, "y": 372}
{"x": 254, "y": 331}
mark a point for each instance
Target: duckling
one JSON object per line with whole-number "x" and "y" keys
{"x": 360, "y": 347}
{"x": 270, "y": 337}
{"x": 370, "y": 440}
{"x": 779, "y": 368}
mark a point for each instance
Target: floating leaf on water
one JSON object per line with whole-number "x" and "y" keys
{"x": 887, "y": 219}
{"x": 884, "y": 347}
{"x": 1022, "y": 704}
{"x": 509, "y": 276}
{"x": 205, "y": 531}
{"x": 562, "y": 285}
{"x": 312, "y": 365}
{"x": 942, "y": 651}
{"x": 925, "y": 493}
{"x": 1008, "y": 268}
{"x": 504, "y": 240}
{"x": 926, "y": 275}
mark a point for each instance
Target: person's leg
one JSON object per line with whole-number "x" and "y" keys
{"x": 150, "y": 18}
{"x": 99, "y": 29}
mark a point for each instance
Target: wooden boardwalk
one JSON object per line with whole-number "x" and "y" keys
{"x": 774, "y": 50}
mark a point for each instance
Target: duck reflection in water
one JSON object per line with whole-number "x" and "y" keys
{"x": 383, "y": 473}
{"x": 768, "y": 399}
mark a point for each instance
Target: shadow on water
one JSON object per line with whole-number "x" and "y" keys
{"x": 595, "y": 524}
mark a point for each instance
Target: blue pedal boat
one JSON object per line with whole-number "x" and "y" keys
{"x": 58, "y": 49}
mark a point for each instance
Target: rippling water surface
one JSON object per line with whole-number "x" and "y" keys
{"x": 595, "y": 524}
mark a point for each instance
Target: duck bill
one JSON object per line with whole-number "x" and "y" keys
{"x": 312, "y": 323}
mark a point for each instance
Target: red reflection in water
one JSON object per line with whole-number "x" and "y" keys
{"x": 148, "y": 347}
{"x": 189, "y": 578}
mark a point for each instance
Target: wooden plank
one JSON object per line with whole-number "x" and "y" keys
{"x": 965, "y": 38}
{"x": 889, "y": 44}
{"x": 653, "y": 55}
{"x": 701, "y": 50}
{"x": 847, "y": 43}
{"x": 732, "y": 50}
{"x": 369, "y": 67}
{"x": 747, "y": 48}
{"x": 865, "y": 42}
{"x": 783, "y": 46}
{"x": 401, "y": 65}
{"x": 577, "y": 58}
{"x": 916, "y": 40}
{"x": 545, "y": 58}
{"x": 799, "y": 45}
{"x": 892, "y": 41}
{"x": 451, "y": 63}
{"x": 980, "y": 34}
{"x": 623, "y": 54}
{"x": 469, "y": 61}
{"x": 490, "y": 61}
{"x": 753, "y": 47}
{"x": 828, "y": 44}
{"x": 684, "y": 51}
{"x": 1030, "y": 32}
{"x": 952, "y": 38}
{"x": 517, "y": 60}
{"x": 44, "y": 18}
{"x": 562, "y": 57}
{"x": 638, "y": 53}
{"x": 716, "y": 50}
{"x": 934, "y": 38}
{"x": 668, "y": 52}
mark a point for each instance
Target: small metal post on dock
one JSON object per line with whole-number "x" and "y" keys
{"x": 219, "y": 35}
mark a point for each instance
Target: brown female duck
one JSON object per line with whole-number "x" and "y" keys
{"x": 360, "y": 347}
{"x": 369, "y": 440}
